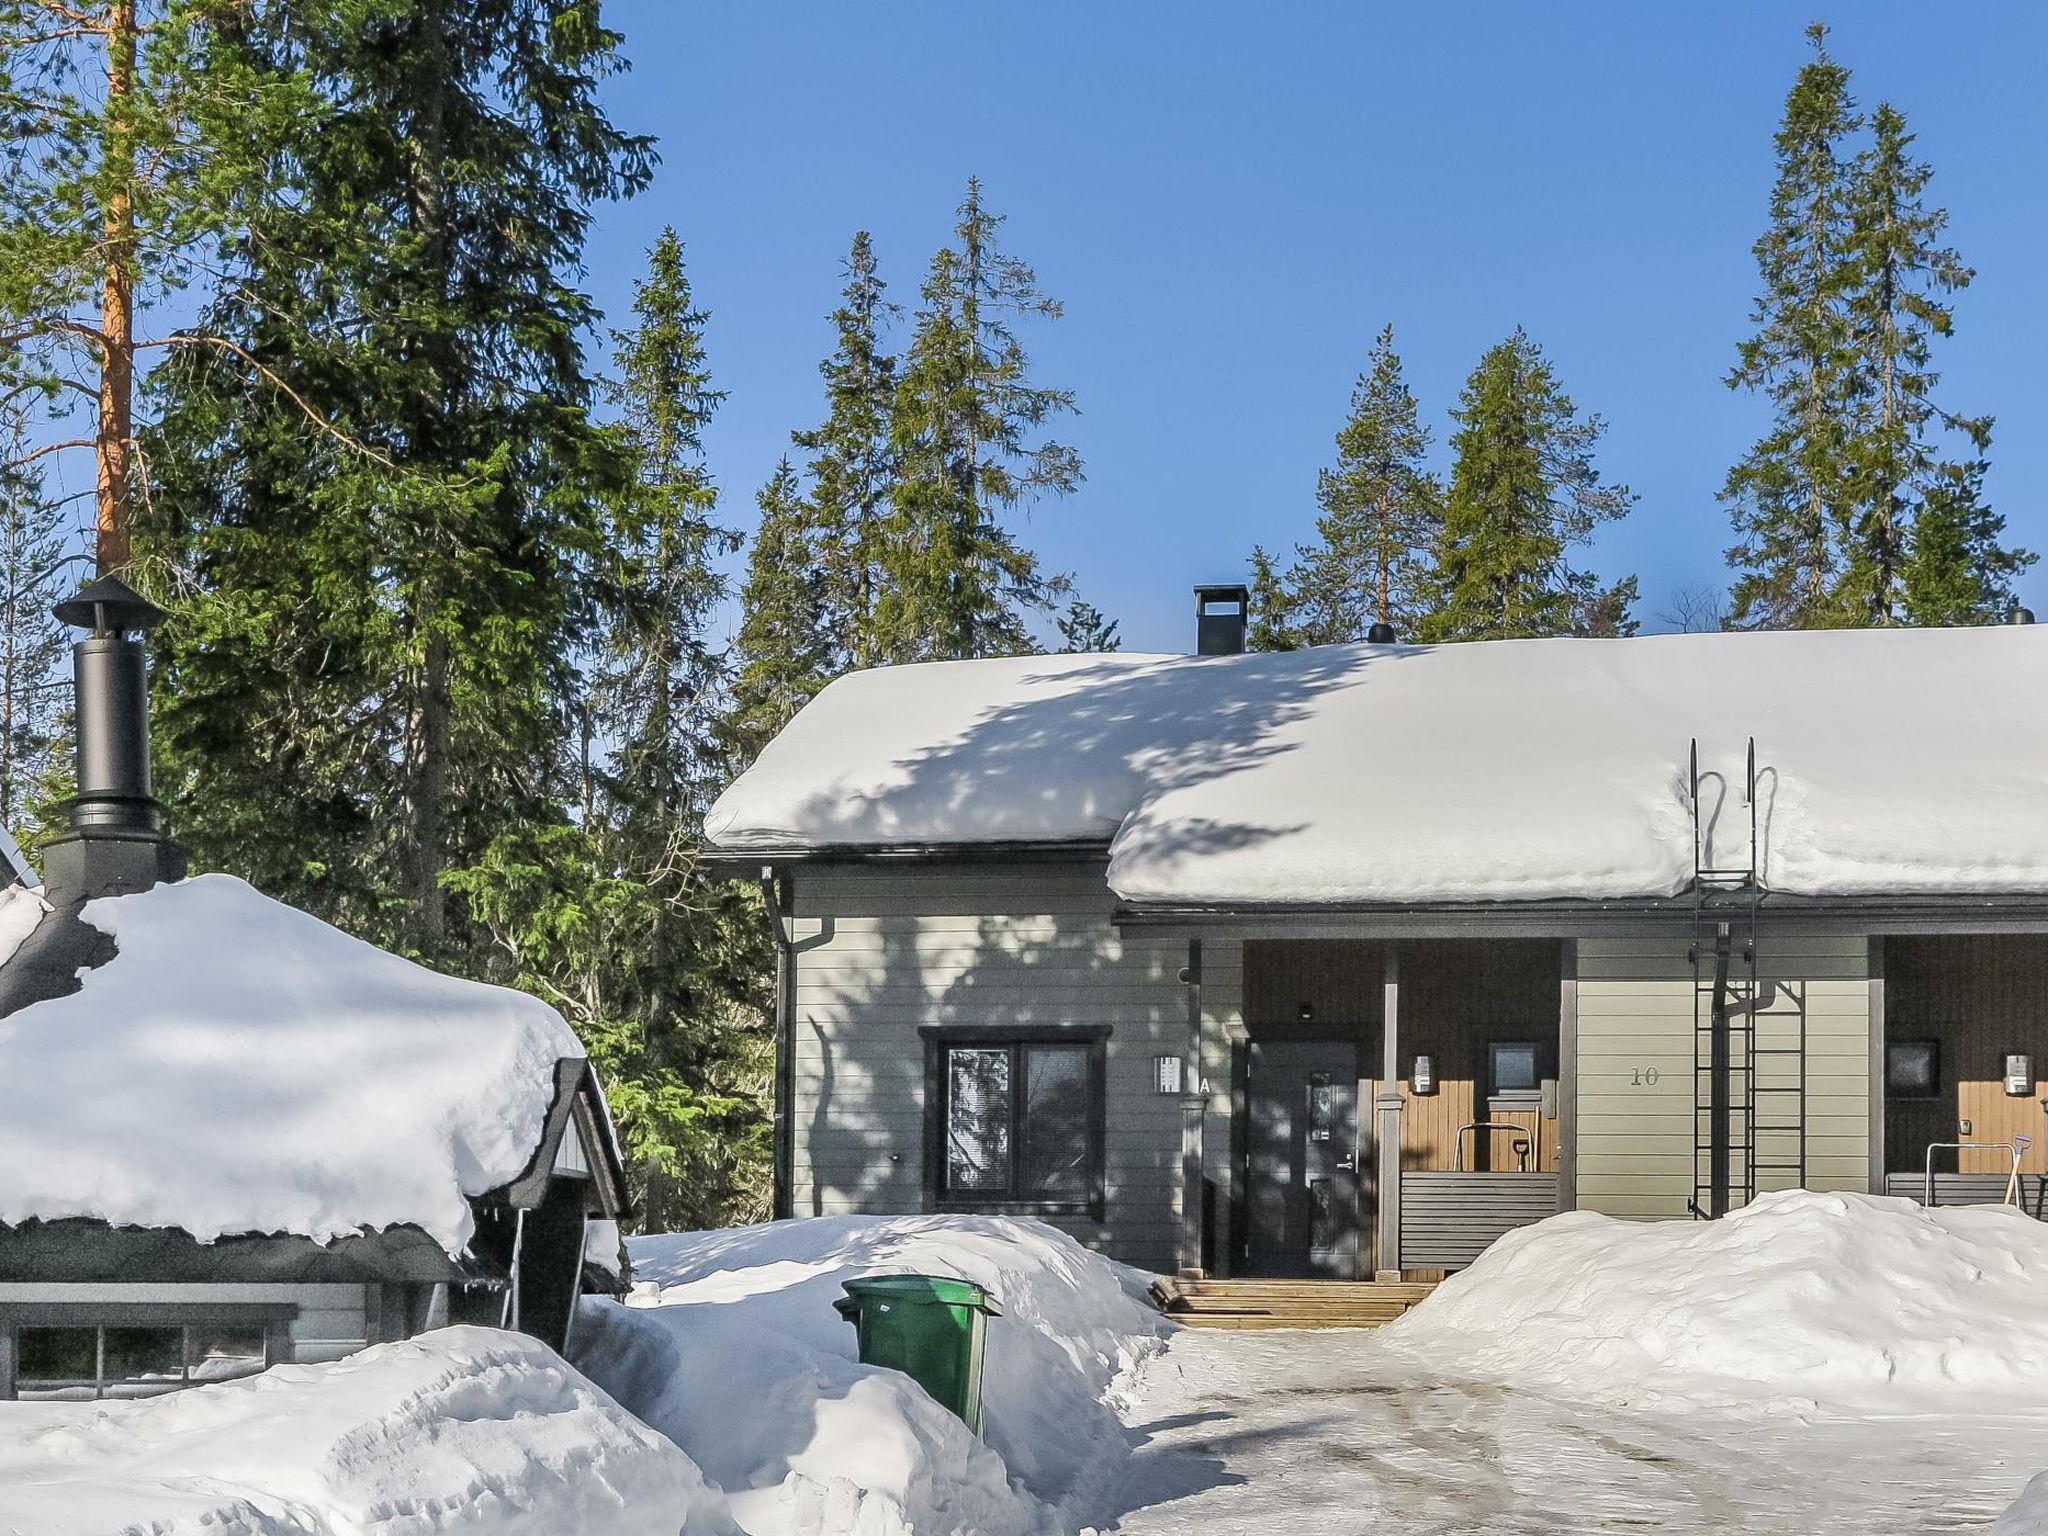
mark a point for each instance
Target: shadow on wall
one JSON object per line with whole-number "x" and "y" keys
{"x": 1111, "y": 734}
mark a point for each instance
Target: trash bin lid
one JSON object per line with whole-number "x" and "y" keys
{"x": 924, "y": 1290}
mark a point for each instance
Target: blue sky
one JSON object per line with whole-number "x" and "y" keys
{"x": 1232, "y": 199}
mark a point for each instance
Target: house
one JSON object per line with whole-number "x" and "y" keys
{"x": 1345, "y": 961}
{"x": 235, "y": 1136}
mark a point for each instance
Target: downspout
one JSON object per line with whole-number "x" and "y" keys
{"x": 776, "y": 899}
{"x": 1193, "y": 1109}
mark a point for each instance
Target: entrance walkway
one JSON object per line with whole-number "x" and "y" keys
{"x": 1251, "y": 1434}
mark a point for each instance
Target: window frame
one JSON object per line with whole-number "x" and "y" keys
{"x": 272, "y": 1319}
{"x": 1936, "y": 1083}
{"x": 1516, "y": 1100}
{"x": 940, "y": 1040}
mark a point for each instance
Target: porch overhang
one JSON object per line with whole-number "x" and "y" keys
{"x": 1648, "y": 917}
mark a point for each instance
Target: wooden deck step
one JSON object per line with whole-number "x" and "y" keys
{"x": 1259, "y": 1304}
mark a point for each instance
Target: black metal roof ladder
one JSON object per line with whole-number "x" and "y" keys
{"x": 1749, "y": 1057}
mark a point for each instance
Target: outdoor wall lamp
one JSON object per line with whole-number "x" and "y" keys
{"x": 1423, "y": 1078}
{"x": 1306, "y": 1012}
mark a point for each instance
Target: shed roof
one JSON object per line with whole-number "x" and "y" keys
{"x": 1891, "y": 762}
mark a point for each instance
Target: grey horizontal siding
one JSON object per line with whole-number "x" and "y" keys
{"x": 1449, "y": 1219}
{"x": 881, "y": 953}
{"x": 331, "y": 1320}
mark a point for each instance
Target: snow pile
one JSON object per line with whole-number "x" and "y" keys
{"x": 466, "y": 1429}
{"x": 20, "y": 910}
{"x": 1834, "y": 1297}
{"x": 2029, "y": 1513}
{"x": 731, "y": 1347}
{"x": 1891, "y": 761}
{"x": 379, "y": 1092}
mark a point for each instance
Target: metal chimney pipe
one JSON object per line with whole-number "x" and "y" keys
{"x": 115, "y": 844}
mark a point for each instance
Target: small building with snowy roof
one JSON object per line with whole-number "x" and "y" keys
{"x": 1343, "y": 961}
{"x": 233, "y": 1135}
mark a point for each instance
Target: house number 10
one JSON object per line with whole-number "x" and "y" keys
{"x": 1645, "y": 1077}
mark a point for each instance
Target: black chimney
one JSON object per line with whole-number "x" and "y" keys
{"x": 116, "y": 843}
{"x": 1220, "y": 615}
{"x": 2020, "y": 615}
{"x": 1380, "y": 634}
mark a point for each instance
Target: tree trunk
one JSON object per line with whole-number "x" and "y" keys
{"x": 429, "y": 748}
{"x": 114, "y": 438}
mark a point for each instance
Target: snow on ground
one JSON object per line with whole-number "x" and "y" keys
{"x": 1343, "y": 1434}
{"x": 380, "y": 1092}
{"x": 466, "y": 1429}
{"x": 1815, "y": 1363}
{"x": 1840, "y": 1297}
{"x": 1351, "y": 773}
{"x": 731, "y": 1346}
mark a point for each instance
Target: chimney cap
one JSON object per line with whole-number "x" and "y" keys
{"x": 109, "y": 607}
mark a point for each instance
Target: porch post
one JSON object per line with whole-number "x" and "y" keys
{"x": 1568, "y": 1076}
{"x": 1877, "y": 1184}
{"x": 1192, "y": 1110}
{"x": 1387, "y": 1237}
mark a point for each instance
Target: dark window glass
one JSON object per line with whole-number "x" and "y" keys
{"x": 57, "y": 1354}
{"x": 1514, "y": 1067}
{"x": 1322, "y": 1107}
{"x": 978, "y": 1119}
{"x": 1912, "y": 1069}
{"x": 1053, "y": 1125}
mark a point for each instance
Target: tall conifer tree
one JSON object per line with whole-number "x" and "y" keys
{"x": 1915, "y": 462}
{"x": 1524, "y": 493}
{"x": 853, "y": 464}
{"x": 1789, "y": 496}
{"x": 376, "y": 647}
{"x": 784, "y": 650}
{"x": 966, "y": 436}
{"x": 1381, "y": 515}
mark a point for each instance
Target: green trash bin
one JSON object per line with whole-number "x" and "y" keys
{"x": 930, "y": 1328}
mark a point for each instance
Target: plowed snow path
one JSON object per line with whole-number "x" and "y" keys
{"x": 1332, "y": 1433}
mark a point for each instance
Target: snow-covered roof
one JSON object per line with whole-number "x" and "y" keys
{"x": 1898, "y": 762}
{"x": 240, "y": 1066}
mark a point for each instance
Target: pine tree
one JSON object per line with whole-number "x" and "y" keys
{"x": 1900, "y": 475}
{"x": 1789, "y": 497}
{"x": 852, "y": 464}
{"x": 1269, "y": 622}
{"x": 1084, "y": 627}
{"x": 378, "y": 626}
{"x": 134, "y": 133}
{"x": 956, "y": 581}
{"x": 32, "y": 643}
{"x": 1524, "y": 492}
{"x": 783, "y": 651}
{"x": 1382, "y": 511}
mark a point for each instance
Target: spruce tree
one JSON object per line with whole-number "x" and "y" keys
{"x": 32, "y": 642}
{"x": 1269, "y": 624}
{"x": 783, "y": 652}
{"x": 611, "y": 912}
{"x": 1381, "y": 513}
{"x": 1084, "y": 628}
{"x": 378, "y": 626}
{"x": 957, "y": 583}
{"x": 1524, "y": 493}
{"x": 1905, "y": 467}
{"x": 852, "y": 464}
{"x": 1788, "y": 498}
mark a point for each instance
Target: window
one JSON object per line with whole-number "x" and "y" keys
{"x": 1912, "y": 1069}
{"x": 1515, "y": 1069}
{"x": 1014, "y": 1119}
{"x": 82, "y": 1353}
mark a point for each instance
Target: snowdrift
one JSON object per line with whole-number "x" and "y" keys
{"x": 1891, "y": 761}
{"x": 466, "y": 1429}
{"x": 730, "y": 1346}
{"x": 380, "y": 1092}
{"x": 1853, "y": 1299}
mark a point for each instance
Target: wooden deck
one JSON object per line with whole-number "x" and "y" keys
{"x": 1251, "y": 1304}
